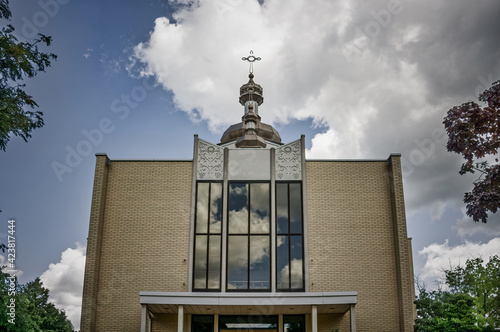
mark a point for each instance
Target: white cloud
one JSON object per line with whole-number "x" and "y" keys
{"x": 440, "y": 257}
{"x": 373, "y": 94}
{"x": 65, "y": 283}
{"x": 88, "y": 53}
{"x": 5, "y": 268}
{"x": 466, "y": 226}
{"x": 377, "y": 100}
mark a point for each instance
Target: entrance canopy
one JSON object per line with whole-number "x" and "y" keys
{"x": 248, "y": 303}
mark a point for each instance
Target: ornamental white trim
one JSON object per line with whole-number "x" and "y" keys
{"x": 289, "y": 162}
{"x": 210, "y": 161}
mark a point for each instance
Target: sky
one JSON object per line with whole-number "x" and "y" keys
{"x": 137, "y": 79}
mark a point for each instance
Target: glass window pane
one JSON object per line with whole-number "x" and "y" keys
{"x": 282, "y": 207}
{"x": 202, "y": 323}
{"x": 200, "y": 262}
{"x": 214, "y": 262}
{"x": 295, "y": 208}
{"x": 282, "y": 262}
{"x": 215, "y": 207}
{"x": 294, "y": 323}
{"x": 259, "y": 208}
{"x": 202, "y": 208}
{"x": 260, "y": 262}
{"x": 238, "y": 208}
{"x": 237, "y": 262}
{"x": 297, "y": 280}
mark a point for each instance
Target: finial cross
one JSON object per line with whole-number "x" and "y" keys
{"x": 251, "y": 58}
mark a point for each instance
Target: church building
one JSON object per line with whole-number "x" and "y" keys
{"x": 249, "y": 235}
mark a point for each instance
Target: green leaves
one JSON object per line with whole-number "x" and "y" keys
{"x": 33, "y": 311}
{"x": 471, "y": 304}
{"x": 482, "y": 282}
{"x": 17, "y": 61}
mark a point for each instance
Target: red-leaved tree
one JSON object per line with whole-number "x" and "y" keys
{"x": 474, "y": 132}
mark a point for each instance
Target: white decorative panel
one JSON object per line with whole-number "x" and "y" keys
{"x": 210, "y": 161}
{"x": 289, "y": 162}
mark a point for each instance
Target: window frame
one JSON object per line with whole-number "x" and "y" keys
{"x": 248, "y": 235}
{"x": 289, "y": 235}
{"x": 208, "y": 235}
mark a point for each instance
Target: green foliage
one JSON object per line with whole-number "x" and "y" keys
{"x": 33, "y": 312}
{"x": 444, "y": 311}
{"x": 471, "y": 304}
{"x": 18, "y": 60}
{"x": 482, "y": 282}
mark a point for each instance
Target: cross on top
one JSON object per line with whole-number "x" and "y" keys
{"x": 251, "y": 58}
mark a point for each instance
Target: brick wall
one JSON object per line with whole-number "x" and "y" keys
{"x": 351, "y": 238}
{"x": 145, "y": 239}
{"x": 139, "y": 241}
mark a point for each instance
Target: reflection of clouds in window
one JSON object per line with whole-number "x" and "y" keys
{"x": 248, "y": 254}
{"x": 237, "y": 264}
{"x": 282, "y": 207}
{"x": 259, "y": 208}
{"x": 259, "y": 262}
{"x": 238, "y": 208}
{"x": 295, "y": 208}
{"x": 200, "y": 264}
{"x": 282, "y": 199}
{"x": 282, "y": 261}
{"x": 238, "y": 221}
{"x": 202, "y": 208}
{"x": 259, "y": 249}
{"x": 215, "y": 207}
{"x": 237, "y": 251}
{"x": 296, "y": 274}
{"x": 238, "y": 189}
{"x": 208, "y": 220}
{"x": 258, "y": 224}
{"x": 280, "y": 241}
{"x": 214, "y": 262}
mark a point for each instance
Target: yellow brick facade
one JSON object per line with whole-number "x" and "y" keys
{"x": 352, "y": 233}
{"x": 141, "y": 236}
{"x": 139, "y": 239}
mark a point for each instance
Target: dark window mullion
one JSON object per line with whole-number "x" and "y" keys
{"x": 208, "y": 261}
{"x": 289, "y": 240}
{"x": 208, "y": 236}
{"x": 208, "y": 207}
{"x": 248, "y": 236}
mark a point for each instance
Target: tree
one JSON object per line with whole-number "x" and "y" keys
{"x": 482, "y": 282}
{"x": 472, "y": 302}
{"x": 18, "y": 60}
{"x": 444, "y": 311}
{"x": 33, "y": 311}
{"x": 474, "y": 132}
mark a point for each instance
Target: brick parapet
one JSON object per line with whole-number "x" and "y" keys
{"x": 403, "y": 255}
{"x": 92, "y": 262}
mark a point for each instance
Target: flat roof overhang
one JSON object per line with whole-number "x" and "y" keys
{"x": 248, "y": 303}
